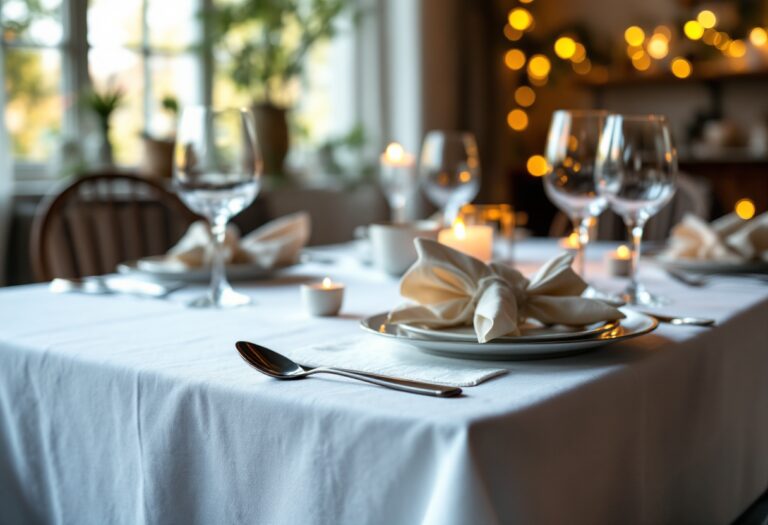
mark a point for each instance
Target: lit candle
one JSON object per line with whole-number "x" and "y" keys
{"x": 474, "y": 240}
{"x": 398, "y": 178}
{"x": 570, "y": 243}
{"x": 619, "y": 262}
{"x": 322, "y": 299}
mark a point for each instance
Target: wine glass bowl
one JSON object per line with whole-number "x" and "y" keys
{"x": 449, "y": 169}
{"x": 636, "y": 172}
{"x": 217, "y": 175}
{"x": 571, "y": 150}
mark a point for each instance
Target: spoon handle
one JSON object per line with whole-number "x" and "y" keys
{"x": 414, "y": 387}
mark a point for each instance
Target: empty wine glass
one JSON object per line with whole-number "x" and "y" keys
{"x": 217, "y": 175}
{"x": 570, "y": 181}
{"x": 636, "y": 170}
{"x": 397, "y": 177}
{"x": 450, "y": 170}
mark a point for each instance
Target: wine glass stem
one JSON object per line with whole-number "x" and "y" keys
{"x": 581, "y": 229}
{"x": 635, "y": 233}
{"x": 398, "y": 212}
{"x": 218, "y": 265}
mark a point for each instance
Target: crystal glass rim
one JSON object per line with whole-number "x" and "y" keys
{"x": 651, "y": 117}
{"x": 585, "y": 112}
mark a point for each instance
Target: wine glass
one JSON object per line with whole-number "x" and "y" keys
{"x": 636, "y": 170}
{"x": 450, "y": 170}
{"x": 397, "y": 177}
{"x": 217, "y": 175}
{"x": 570, "y": 181}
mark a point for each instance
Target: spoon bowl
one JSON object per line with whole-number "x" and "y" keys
{"x": 279, "y": 366}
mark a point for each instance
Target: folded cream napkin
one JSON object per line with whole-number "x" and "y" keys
{"x": 277, "y": 243}
{"x": 727, "y": 239}
{"x": 454, "y": 289}
{"x": 390, "y": 358}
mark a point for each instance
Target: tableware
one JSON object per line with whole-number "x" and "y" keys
{"x": 635, "y": 171}
{"x": 218, "y": 167}
{"x": 569, "y": 183}
{"x": 449, "y": 169}
{"x": 531, "y": 331}
{"x": 392, "y": 249}
{"x": 682, "y": 320}
{"x": 322, "y": 299}
{"x": 397, "y": 177}
{"x": 279, "y": 366}
{"x": 635, "y": 324}
{"x": 157, "y": 268}
{"x": 104, "y": 285}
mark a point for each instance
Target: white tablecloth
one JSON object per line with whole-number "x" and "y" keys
{"x": 122, "y": 410}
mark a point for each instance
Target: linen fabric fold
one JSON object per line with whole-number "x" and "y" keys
{"x": 276, "y": 243}
{"x": 450, "y": 288}
{"x": 728, "y": 239}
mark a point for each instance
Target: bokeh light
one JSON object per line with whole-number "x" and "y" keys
{"x": 539, "y": 66}
{"x": 707, "y": 19}
{"x": 565, "y": 47}
{"x": 525, "y": 96}
{"x": 693, "y": 29}
{"x": 681, "y": 68}
{"x": 745, "y": 208}
{"x": 634, "y": 36}
{"x": 642, "y": 62}
{"x": 520, "y": 19}
{"x": 514, "y": 59}
{"x": 517, "y": 119}
{"x": 758, "y": 36}
{"x": 658, "y": 46}
{"x": 737, "y": 49}
{"x": 537, "y": 166}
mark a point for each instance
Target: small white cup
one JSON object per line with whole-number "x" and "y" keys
{"x": 322, "y": 299}
{"x": 392, "y": 246}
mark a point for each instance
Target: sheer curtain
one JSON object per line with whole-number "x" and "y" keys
{"x": 6, "y": 182}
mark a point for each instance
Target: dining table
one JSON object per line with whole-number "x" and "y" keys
{"x": 121, "y": 409}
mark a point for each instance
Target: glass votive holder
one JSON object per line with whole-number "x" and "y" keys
{"x": 322, "y": 299}
{"x": 501, "y": 218}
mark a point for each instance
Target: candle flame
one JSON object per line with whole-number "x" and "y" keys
{"x": 395, "y": 152}
{"x": 623, "y": 252}
{"x": 573, "y": 240}
{"x": 459, "y": 229}
{"x": 327, "y": 283}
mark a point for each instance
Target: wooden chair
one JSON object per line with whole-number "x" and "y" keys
{"x": 97, "y": 221}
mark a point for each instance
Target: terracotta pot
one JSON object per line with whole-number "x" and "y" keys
{"x": 158, "y": 158}
{"x": 272, "y": 131}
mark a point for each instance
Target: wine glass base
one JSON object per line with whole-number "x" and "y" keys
{"x": 228, "y": 298}
{"x": 639, "y": 296}
{"x": 612, "y": 299}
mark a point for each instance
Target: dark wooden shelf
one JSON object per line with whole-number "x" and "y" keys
{"x": 703, "y": 72}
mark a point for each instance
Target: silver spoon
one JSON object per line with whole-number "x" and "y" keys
{"x": 683, "y": 320}
{"x": 279, "y": 366}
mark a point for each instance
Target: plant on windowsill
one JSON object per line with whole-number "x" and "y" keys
{"x": 157, "y": 160}
{"x": 103, "y": 104}
{"x": 266, "y": 43}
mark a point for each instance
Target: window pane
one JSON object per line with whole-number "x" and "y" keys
{"x": 119, "y": 67}
{"x": 171, "y": 76}
{"x": 33, "y": 114}
{"x": 172, "y": 25}
{"x": 35, "y": 21}
{"x": 113, "y": 23}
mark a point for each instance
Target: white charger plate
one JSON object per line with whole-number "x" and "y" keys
{"x": 157, "y": 267}
{"x": 634, "y": 325}
{"x": 529, "y": 332}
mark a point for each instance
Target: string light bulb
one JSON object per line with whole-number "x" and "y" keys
{"x": 565, "y": 47}
{"x": 537, "y": 166}
{"x": 634, "y": 36}
{"x": 520, "y": 19}
{"x": 758, "y": 36}
{"x": 681, "y": 68}
{"x": 693, "y": 30}
{"x": 707, "y": 19}
{"x": 517, "y": 119}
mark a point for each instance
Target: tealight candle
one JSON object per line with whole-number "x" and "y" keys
{"x": 474, "y": 240}
{"x": 570, "y": 243}
{"x": 322, "y": 299}
{"x": 619, "y": 262}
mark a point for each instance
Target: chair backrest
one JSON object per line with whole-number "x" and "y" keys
{"x": 92, "y": 224}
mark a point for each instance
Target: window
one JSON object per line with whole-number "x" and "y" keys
{"x": 54, "y": 50}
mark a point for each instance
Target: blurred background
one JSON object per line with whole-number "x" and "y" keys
{"x": 94, "y": 85}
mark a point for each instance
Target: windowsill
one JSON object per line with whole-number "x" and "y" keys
{"x": 26, "y": 188}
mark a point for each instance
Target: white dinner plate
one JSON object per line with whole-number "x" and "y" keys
{"x": 634, "y": 325}
{"x": 699, "y": 266}
{"x": 158, "y": 267}
{"x": 531, "y": 331}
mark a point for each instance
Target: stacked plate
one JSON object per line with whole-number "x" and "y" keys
{"x": 535, "y": 341}
{"x": 161, "y": 268}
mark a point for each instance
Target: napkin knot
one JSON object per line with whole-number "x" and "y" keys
{"x": 454, "y": 289}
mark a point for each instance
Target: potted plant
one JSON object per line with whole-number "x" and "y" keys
{"x": 267, "y": 42}
{"x": 158, "y": 151}
{"x": 103, "y": 104}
